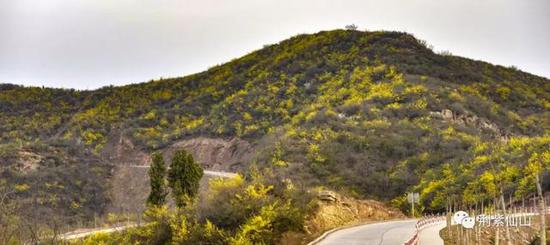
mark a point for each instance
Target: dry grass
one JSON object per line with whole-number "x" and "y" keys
{"x": 344, "y": 212}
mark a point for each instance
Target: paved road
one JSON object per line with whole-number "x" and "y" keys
{"x": 84, "y": 233}
{"x": 80, "y": 233}
{"x": 220, "y": 174}
{"x": 206, "y": 172}
{"x": 430, "y": 234}
{"x": 386, "y": 233}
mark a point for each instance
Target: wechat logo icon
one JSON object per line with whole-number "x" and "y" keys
{"x": 464, "y": 219}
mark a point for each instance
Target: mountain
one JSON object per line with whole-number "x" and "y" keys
{"x": 371, "y": 114}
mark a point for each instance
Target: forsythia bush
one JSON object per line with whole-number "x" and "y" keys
{"x": 233, "y": 211}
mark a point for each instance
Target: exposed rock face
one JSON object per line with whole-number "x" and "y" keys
{"x": 215, "y": 153}
{"x": 328, "y": 196}
{"x": 469, "y": 120}
{"x": 28, "y": 161}
{"x": 211, "y": 153}
{"x": 446, "y": 114}
{"x": 121, "y": 151}
{"x": 130, "y": 184}
{"x": 345, "y": 211}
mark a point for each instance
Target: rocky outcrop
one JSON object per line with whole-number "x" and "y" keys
{"x": 470, "y": 120}
{"x": 334, "y": 210}
{"x": 358, "y": 208}
{"x": 130, "y": 184}
{"x": 327, "y": 196}
{"x": 120, "y": 150}
{"x": 28, "y": 161}
{"x": 215, "y": 153}
{"x": 211, "y": 153}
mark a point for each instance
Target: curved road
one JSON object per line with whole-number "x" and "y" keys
{"x": 430, "y": 234}
{"x": 81, "y": 233}
{"x": 86, "y": 232}
{"x": 390, "y": 233}
{"x": 206, "y": 172}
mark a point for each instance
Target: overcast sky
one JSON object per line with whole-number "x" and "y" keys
{"x": 88, "y": 44}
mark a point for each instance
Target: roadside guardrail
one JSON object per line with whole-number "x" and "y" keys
{"x": 424, "y": 222}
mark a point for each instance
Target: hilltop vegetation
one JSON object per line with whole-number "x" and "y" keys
{"x": 372, "y": 114}
{"x": 250, "y": 96}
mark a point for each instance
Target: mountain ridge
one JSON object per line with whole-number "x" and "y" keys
{"x": 353, "y": 111}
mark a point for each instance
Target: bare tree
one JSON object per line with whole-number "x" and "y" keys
{"x": 351, "y": 27}
{"x": 538, "y": 163}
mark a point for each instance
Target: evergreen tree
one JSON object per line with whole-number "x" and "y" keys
{"x": 157, "y": 178}
{"x": 183, "y": 177}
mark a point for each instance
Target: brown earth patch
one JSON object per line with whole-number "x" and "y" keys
{"x": 215, "y": 153}
{"x": 130, "y": 184}
{"x": 28, "y": 161}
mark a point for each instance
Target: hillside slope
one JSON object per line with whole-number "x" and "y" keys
{"x": 368, "y": 113}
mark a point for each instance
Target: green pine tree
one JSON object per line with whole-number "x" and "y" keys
{"x": 183, "y": 177}
{"x": 157, "y": 178}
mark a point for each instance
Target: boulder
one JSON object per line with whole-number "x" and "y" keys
{"x": 328, "y": 196}
{"x": 447, "y": 114}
